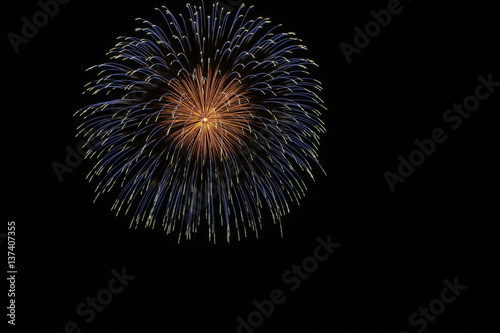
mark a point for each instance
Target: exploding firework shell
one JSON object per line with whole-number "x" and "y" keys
{"x": 209, "y": 118}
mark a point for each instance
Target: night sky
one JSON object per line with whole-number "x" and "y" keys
{"x": 411, "y": 248}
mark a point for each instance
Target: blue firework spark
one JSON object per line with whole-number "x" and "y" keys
{"x": 209, "y": 118}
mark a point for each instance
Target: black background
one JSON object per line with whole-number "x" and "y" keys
{"x": 397, "y": 248}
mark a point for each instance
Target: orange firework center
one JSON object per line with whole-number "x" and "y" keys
{"x": 207, "y": 114}
{"x": 207, "y": 117}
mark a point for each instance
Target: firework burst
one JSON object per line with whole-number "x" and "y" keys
{"x": 209, "y": 118}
